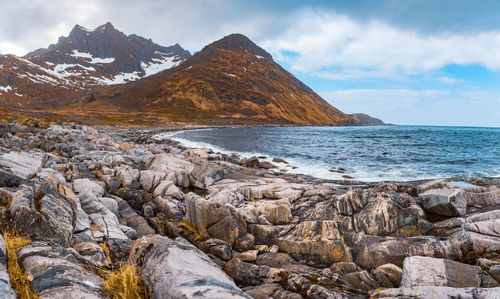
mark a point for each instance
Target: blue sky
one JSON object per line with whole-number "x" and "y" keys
{"x": 404, "y": 61}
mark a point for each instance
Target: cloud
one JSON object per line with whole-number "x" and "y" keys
{"x": 328, "y": 44}
{"x": 450, "y": 80}
{"x": 425, "y": 107}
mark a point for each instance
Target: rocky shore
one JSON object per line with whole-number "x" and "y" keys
{"x": 199, "y": 224}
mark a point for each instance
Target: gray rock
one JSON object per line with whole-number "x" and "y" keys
{"x": 388, "y": 275}
{"x": 371, "y": 251}
{"x": 174, "y": 269}
{"x": 361, "y": 280}
{"x": 18, "y": 167}
{"x": 132, "y": 219}
{"x": 447, "y": 202}
{"x": 427, "y": 271}
{"x": 60, "y": 272}
{"x": 49, "y": 218}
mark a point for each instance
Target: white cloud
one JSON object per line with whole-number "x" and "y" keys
{"x": 325, "y": 40}
{"x": 426, "y": 107}
{"x": 450, "y": 80}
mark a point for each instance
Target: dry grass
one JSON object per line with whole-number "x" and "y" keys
{"x": 19, "y": 280}
{"x": 106, "y": 252}
{"x": 125, "y": 283}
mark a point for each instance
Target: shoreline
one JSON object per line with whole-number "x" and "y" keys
{"x": 415, "y": 181}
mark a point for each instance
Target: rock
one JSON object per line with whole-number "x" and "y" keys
{"x": 372, "y": 252}
{"x": 274, "y": 249}
{"x": 433, "y": 292}
{"x": 278, "y": 214}
{"x": 427, "y": 271}
{"x": 49, "y": 217}
{"x": 252, "y": 162}
{"x": 174, "y": 269}
{"x": 6, "y": 290}
{"x": 211, "y": 217}
{"x": 150, "y": 179}
{"x": 176, "y": 169}
{"x": 245, "y": 273}
{"x": 267, "y": 165}
{"x": 93, "y": 252}
{"x": 361, "y": 280}
{"x": 274, "y": 260}
{"x": 86, "y": 188}
{"x": 279, "y": 160}
{"x": 127, "y": 175}
{"x": 59, "y": 272}
{"x": 248, "y": 256}
{"x": 119, "y": 250}
{"x": 168, "y": 188}
{"x": 125, "y": 146}
{"x": 129, "y": 232}
{"x": 388, "y": 275}
{"x": 317, "y": 241}
{"x": 344, "y": 268}
{"x": 18, "y": 167}
{"x": 383, "y": 216}
{"x": 134, "y": 221}
{"x": 446, "y": 202}
{"x": 271, "y": 290}
{"x": 206, "y": 174}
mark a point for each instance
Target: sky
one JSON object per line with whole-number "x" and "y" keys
{"x": 405, "y": 61}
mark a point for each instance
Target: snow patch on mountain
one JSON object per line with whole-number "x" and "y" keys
{"x": 90, "y": 58}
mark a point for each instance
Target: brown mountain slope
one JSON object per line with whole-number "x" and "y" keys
{"x": 230, "y": 80}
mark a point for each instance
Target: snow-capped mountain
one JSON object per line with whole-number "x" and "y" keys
{"x": 101, "y": 56}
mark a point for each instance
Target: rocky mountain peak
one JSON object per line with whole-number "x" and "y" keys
{"x": 237, "y": 41}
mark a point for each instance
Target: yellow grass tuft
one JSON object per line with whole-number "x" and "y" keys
{"x": 19, "y": 280}
{"x": 124, "y": 283}
{"x": 106, "y": 252}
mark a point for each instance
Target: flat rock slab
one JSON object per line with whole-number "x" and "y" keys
{"x": 18, "y": 167}
{"x": 174, "y": 269}
{"x": 427, "y": 271}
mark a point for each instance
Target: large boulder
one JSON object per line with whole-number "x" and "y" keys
{"x": 176, "y": 170}
{"x": 428, "y": 271}
{"x": 206, "y": 174}
{"x": 320, "y": 241}
{"x": 383, "y": 216}
{"x": 18, "y": 167}
{"x": 49, "y": 215}
{"x": 6, "y": 290}
{"x": 373, "y": 251}
{"x": 177, "y": 269}
{"x": 59, "y": 272}
{"x": 446, "y": 202}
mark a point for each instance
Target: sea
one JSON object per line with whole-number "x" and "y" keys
{"x": 373, "y": 153}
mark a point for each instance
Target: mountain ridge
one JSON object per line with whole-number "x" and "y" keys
{"x": 231, "y": 80}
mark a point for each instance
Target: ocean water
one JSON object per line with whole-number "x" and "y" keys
{"x": 376, "y": 153}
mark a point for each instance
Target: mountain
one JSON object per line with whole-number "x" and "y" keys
{"x": 103, "y": 73}
{"x": 367, "y": 120}
{"x": 84, "y": 59}
{"x": 230, "y": 81}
